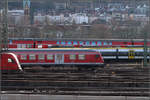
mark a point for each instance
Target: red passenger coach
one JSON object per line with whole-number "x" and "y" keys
{"x": 25, "y": 43}
{"x": 48, "y": 43}
{"x": 50, "y": 57}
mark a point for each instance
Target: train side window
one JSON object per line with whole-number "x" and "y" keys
{"x": 99, "y": 43}
{"x": 87, "y": 43}
{"x": 63, "y": 42}
{"x": 23, "y": 57}
{"x": 75, "y": 43}
{"x": 81, "y": 42}
{"x": 81, "y": 57}
{"x": 110, "y": 43}
{"x": 23, "y": 46}
{"x": 49, "y": 57}
{"x": 39, "y": 45}
{"x": 69, "y": 43}
{"x": 72, "y": 57}
{"x": 19, "y": 45}
{"x": 93, "y": 43}
{"x": 29, "y": 45}
{"x": 41, "y": 56}
{"x": 57, "y": 42}
{"x": 105, "y": 43}
{"x": 32, "y": 57}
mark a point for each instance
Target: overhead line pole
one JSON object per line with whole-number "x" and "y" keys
{"x": 145, "y": 49}
{"x": 4, "y": 34}
{"x": 145, "y": 38}
{"x": 5, "y": 26}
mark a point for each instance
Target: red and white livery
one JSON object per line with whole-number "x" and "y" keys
{"x": 48, "y": 43}
{"x": 16, "y": 59}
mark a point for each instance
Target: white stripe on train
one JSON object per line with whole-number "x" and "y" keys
{"x": 17, "y": 61}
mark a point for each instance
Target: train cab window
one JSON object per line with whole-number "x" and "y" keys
{"x": 41, "y": 56}
{"x": 23, "y": 57}
{"x": 81, "y": 57}
{"x": 32, "y": 57}
{"x": 50, "y": 57}
{"x": 10, "y": 60}
{"x": 72, "y": 57}
{"x": 97, "y": 56}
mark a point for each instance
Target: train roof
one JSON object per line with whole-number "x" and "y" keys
{"x": 52, "y": 49}
{"x": 72, "y": 39}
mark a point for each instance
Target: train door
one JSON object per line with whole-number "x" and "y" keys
{"x": 59, "y": 58}
{"x": 131, "y": 54}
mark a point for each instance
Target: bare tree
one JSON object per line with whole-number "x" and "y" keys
{"x": 99, "y": 31}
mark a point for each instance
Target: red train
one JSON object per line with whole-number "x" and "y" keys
{"x": 48, "y": 43}
{"x": 16, "y": 59}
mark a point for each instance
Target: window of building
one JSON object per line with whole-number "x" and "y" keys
{"x": 41, "y": 57}
{"x": 72, "y": 57}
{"x": 81, "y": 57}
{"x": 23, "y": 57}
{"x": 32, "y": 57}
{"x": 49, "y": 57}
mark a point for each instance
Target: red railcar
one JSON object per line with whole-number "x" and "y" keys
{"x": 48, "y": 57}
{"x": 48, "y": 43}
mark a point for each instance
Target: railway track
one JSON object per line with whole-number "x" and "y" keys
{"x": 118, "y": 81}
